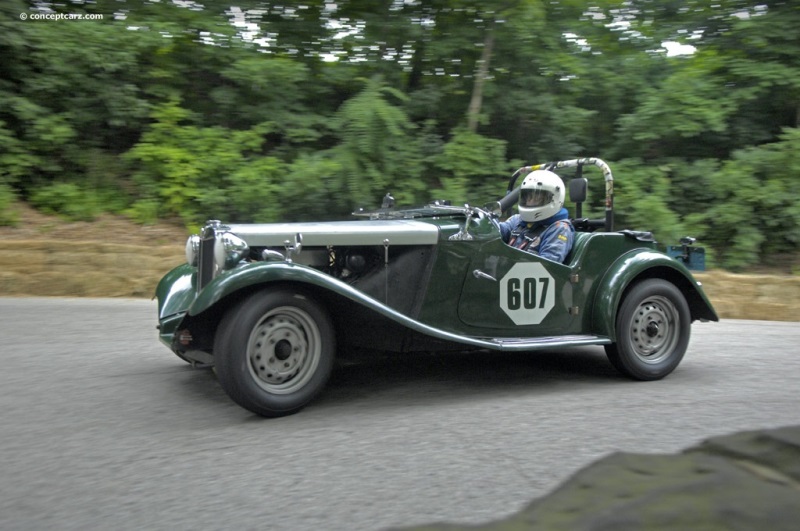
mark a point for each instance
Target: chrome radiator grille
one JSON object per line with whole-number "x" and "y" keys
{"x": 205, "y": 262}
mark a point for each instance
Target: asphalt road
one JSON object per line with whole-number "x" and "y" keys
{"x": 104, "y": 428}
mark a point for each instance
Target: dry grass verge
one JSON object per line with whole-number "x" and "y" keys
{"x": 761, "y": 297}
{"x": 84, "y": 269}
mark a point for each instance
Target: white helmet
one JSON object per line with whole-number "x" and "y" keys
{"x": 541, "y": 195}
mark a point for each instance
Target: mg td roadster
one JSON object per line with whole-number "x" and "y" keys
{"x": 270, "y": 306}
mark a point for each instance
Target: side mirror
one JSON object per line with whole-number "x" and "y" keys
{"x": 577, "y": 189}
{"x": 577, "y": 194}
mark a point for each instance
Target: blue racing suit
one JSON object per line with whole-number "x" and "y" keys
{"x": 550, "y": 238}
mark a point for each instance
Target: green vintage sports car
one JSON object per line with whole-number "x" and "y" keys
{"x": 271, "y": 305}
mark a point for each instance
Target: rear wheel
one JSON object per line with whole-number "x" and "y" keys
{"x": 274, "y": 352}
{"x": 653, "y": 328}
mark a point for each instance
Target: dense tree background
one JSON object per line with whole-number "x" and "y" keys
{"x": 277, "y": 110}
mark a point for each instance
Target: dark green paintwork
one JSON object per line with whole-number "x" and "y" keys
{"x": 175, "y": 293}
{"x": 457, "y": 305}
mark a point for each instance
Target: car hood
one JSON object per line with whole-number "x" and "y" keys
{"x": 367, "y": 232}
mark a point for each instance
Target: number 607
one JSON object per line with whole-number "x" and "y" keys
{"x": 524, "y": 292}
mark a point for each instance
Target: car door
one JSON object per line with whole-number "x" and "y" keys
{"x": 512, "y": 293}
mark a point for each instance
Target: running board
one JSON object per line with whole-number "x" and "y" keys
{"x": 541, "y": 343}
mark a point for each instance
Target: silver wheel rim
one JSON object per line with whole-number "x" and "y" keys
{"x": 284, "y": 350}
{"x": 655, "y": 329}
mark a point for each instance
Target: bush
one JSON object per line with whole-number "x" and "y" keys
{"x": 8, "y": 214}
{"x": 68, "y": 200}
{"x": 144, "y": 211}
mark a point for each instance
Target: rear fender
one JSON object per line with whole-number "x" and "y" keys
{"x": 638, "y": 265}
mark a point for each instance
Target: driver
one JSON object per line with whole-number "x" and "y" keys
{"x": 542, "y": 226}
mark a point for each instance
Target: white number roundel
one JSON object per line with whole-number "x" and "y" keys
{"x": 527, "y": 293}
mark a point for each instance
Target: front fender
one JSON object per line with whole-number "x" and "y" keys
{"x": 176, "y": 290}
{"x": 639, "y": 264}
{"x": 258, "y": 273}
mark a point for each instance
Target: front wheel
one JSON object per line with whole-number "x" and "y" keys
{"x": 653, "y": 328}
{"x": 274, "y": 352}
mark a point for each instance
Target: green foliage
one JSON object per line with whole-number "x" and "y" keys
{"x": 68, "y": 200}
{"x": 311, "y": 190}
{"x": 175, "y": 109}
{"x": 377, "y": 153}
{"x": 16, "y": 160}
{"x": 199, "y": 173}
{"x": 691, "y": 193}
{"x": 756, "y": 212}
{"x": 8, "y": 214}
{"x": 642, "y": 194}
{"x": 67, "y": 89}
{"x": 686, "y": 106}
{"x": 471, "y": 168}
{"x": 248, "y": 194}
{"x": 144, "y": 211}
{"x": 260, "y": 89}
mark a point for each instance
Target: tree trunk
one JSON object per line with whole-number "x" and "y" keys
{"x": 797, "y": 117}
{"x": 476, "y": 101}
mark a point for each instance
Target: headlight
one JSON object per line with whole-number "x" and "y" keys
{"x": 229, "y": 250}
{"x": 192, "y": 250}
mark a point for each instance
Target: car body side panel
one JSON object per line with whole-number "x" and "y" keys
{"x": 538, "y": 281}
{"x": 464, "y": 293}
{"x": 261, "y": 274}
{"x": 576, "y": 284}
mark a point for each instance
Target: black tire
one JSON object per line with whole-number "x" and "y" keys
{"x": 653, "y": 329}
{"x": 274, "y": 352}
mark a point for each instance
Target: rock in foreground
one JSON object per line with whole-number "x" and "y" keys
{"x": 748, "y": 480}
